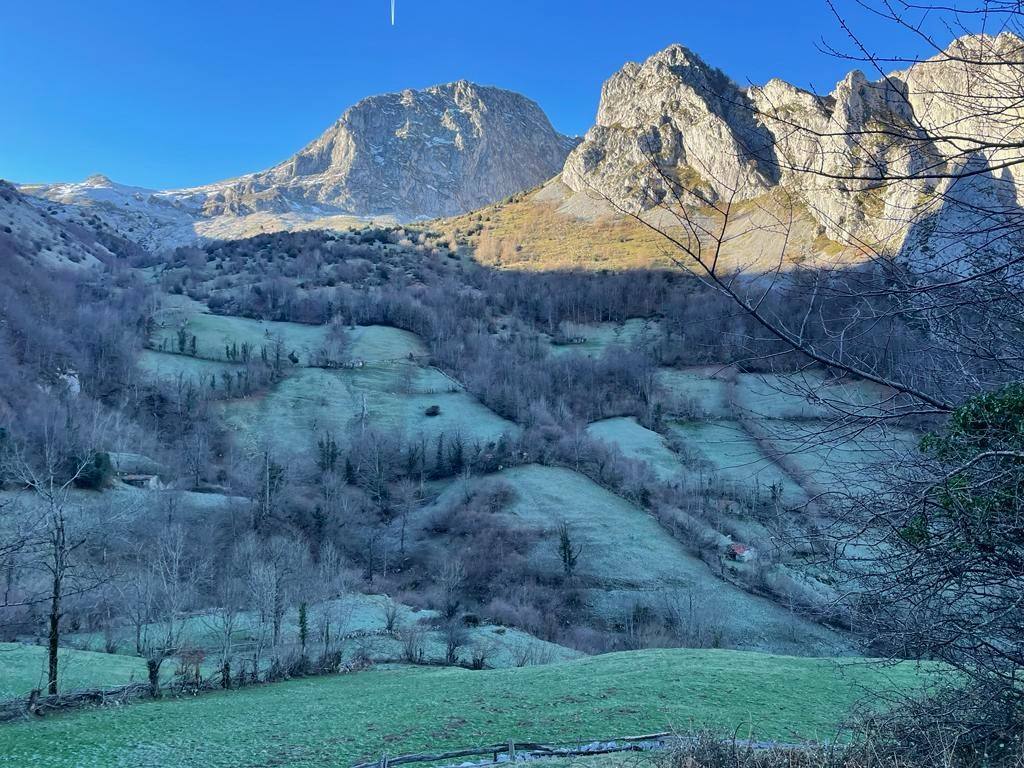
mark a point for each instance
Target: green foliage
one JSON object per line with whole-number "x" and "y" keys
{"x": 568, "y": 552}
{"x": 977, "y": 505}
{"x": 303, "y": 626}
{"x": 956, "y": 558}
{"x": 97, "y": 472}
{"x": 990, "y": 422}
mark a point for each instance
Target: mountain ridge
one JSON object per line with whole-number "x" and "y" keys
{"x": 411, "y": 154}
{"x": 674, "y": 119}
{"x": 456, "y": 148}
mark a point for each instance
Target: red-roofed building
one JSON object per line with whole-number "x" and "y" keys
{"x": 740, "y": 552}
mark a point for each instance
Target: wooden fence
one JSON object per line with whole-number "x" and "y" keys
{"x": 512, "y": 752}
{"x": 523, "y": 751}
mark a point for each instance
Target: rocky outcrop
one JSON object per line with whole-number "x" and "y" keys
{"x": 440, "y": 151}
{"x": 672, "y": 118}
{"x": 674, "y": 126}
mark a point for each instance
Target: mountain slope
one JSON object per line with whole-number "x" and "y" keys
{"x": 443, "y": 150}
{"x": 35, "y": 237}
{"x": 414, "y": 154}
{"x": 675, "y": 120}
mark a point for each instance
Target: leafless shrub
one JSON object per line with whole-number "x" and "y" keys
{"x": 413, "y": 644}
{"x": 389, "y": 611}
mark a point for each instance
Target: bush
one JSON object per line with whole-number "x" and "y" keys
{"x": 434, "y": 410}
{"x": 97, "y": 472}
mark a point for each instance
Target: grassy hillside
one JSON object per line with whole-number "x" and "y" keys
{"x": 726, "y": 449}
{"x": 595, "y": 339}
{"x": 212, "y": 332}
{"x": 639, "y": 443}
{"x": 338, "y": 720}
{"x": 527, "y": 233}
{"x": 627, "y": 559}
{"x": 167, "y": 366}
{"x": 553, "y": 228}
{"x": 390, "y": 396}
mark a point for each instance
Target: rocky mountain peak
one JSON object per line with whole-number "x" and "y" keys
{"x": 98, "y": 180}
{"x": 688, "y": 117}
{"x": 676, "y": 120}
{"x": 438, "y": 151}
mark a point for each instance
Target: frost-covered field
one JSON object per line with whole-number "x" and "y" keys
{"x": 213, "y": 332}
{"x": 359, "y": 627}
{"x": 594, "y": 339}
{"x": 166, "y": 366}
{"x": 639, "y": 443}
{"x": 627, "y": 558}
{"x": 394, "y": 397}
{"x": 724, "y": 449}
{"x": 372, "y": 343}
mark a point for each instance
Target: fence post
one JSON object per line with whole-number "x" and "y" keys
{"x": 511, "y": 751}
{"x": 33, "y": 701}
{"x": 384, "y": 760}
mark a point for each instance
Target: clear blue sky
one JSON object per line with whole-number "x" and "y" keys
{"x": 169, "y": 94}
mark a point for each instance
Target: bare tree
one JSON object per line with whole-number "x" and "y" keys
{"x": 176, "y": 574}
{"x": 50, "y": 474}
{"x": 226, "y": 618}
{"x": 920, "y": 189}
{"x": 451, "y": 579}
{"x": 455, "y": 637}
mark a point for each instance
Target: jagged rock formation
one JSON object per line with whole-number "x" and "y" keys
{"x": 672, "y": 122}
{"x": 671, "y": 115}
{"x": 675, "y": 122}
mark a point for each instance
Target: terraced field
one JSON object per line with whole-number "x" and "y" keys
{"x": 359, "y": 617}
{"x": 851, "y": 460}
{"x": 213, "y": 332}
{"x": 727, "y": 451}
{"x": 808, "y": 395}
{"x": 639, "y": 443}
{"x": 170, "y": 367}
{"x": 798, "y": 432}
{"x": 703, "y": 391}
{"x": 387, "y": 389}
{"x": 381, "y": 343}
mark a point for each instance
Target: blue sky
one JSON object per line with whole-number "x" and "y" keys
{"x": 169, "y": 94}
